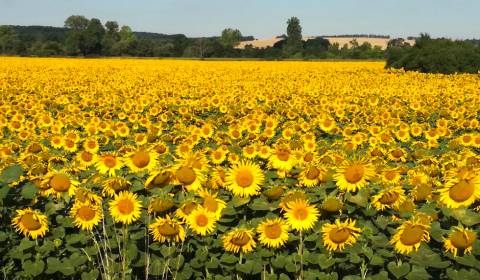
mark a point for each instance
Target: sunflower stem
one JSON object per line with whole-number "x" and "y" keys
{"x": 124, "y": 258}
{"x": 300, "y": 252}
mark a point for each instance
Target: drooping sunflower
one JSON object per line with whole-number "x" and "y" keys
{"x": 301, "y": 215}
{"x": 191, "y": 178}
{"x": 30, "y": 223}
{"x": 282, "y": 158}
{"x": 202, "y": 221}
{"x": 56, "y": 183}
{"x": 462, "y": 189}
{"x": 185, "y": 209}
{"x": 354, "y": 175}
{"x": 410, "y": 235}
{"x": 125, "y": 208}
{"x": 460, "y": 238}
{"x": 239, "y": 240}
{"x": 312, "y": 176}
{"x": 141, "y": 160}
{"x": 273, "y": 233}
{"x": 114, "y": 185}
{"x": 87, "y": 195}
{"x": 340, "y": 234}
{"x": 160, "y": 204}
{"x": 167, "y": 230}
{"x": 212, "y": 203}
{"x": 158, "y": 179}
{"x": 245, "y": 179}
{"x": 389, "y": 198}
{"x": 86, "y": 215}
{"x": 108, "y": 163}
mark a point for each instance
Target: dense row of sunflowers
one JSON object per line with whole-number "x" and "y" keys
{"x": 258, "y": 161}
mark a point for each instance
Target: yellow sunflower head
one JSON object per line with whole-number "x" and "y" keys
{"x": 141, "y": 160}
{"x": 239, "y": 240}
{"x": 114, "y": 185}
{"x": 167, "y": 230}
{"x": 460, "y": 239}
{"x": 273, "y": 233}
{"x": 108, "y": 163}
{"x": 86, "y": 215}
{"x": 125, "y": 208}
{"x": 354, "y": 175}
{"x": 56, "y": 183}
{"x": 460, "y": 191}
{"x": 301, "y": 215}
{"x": 389, "y": 198}
{"x": 160, "y": 204}
{"x": 158, "y": 179}
{"x": 245, "y": 179}
{"x": 30, "y": 223}
{"x": 212, "y": 203}
{"x": 202, "y": 221}
{"x": 410, "y": 235}
{"x": 340, "y": 234}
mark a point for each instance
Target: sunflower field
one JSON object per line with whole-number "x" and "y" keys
{"x": 165, "y": 169}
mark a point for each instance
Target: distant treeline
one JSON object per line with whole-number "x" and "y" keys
{"x": 358, "y": 36}
{"x": 435, "y": 55}
{"x": 90, "y": 37}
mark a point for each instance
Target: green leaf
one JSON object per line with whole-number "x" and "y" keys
{"x": 29, "y": 190}
{"x": 11, "y": 174}
{"x": 382, "y": 222}
{"x": 33, "y": 268}
{"x": 398, "y": 270}
{"x": 360, "y": 199}
{"x": 26, "y": 244}
{"x": 167, "y": 251}
{"x": 239, "y": 201}
{"x": 291, "y": 267}
{"x": 228, "y": 258}
{"x": 92, "y": 275}
{"x": 325, "y": 262}
{"x": 418, "y": 273}
{"x": 260, "y": 205}
{"x": 279, "y": 261}
{"x": 244, "y": 267}
{"x": 53, "y": 265}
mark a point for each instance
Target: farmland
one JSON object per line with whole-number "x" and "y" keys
{"x": 171, "y": 169}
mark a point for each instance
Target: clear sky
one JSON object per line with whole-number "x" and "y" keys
{"x": 261, "y": 18}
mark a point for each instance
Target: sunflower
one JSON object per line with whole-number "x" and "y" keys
{"x": 202, "y": 221}
{"x": 87, "y": 195}
{"x": 160, "y": 204}
{"x": 332, "y": 205}
{"x": 460, "y": 190}
{"x": 30, "y": 223}
{"x": 212, "y": 203}
{"x": 353, "y": 175}
{"x": 389, "y": 198}
{"x": 141, "y": 160}
{"x": 410, "y": 235}
{"x": 189, "y": 177}
{"x": 282, "y": 158}
{"x": 125, "y": 208}
{"x": 108, "y": 163}
{"x": 301, "y": 215}
{"x": 85, "y": 159}
{"x": 460, "y": 238}
{"x": 91, "y": 145}
{"x": 218, "y": 156}
{"x": 167, "y": 229}
{"x": 57, "y": 183}
{"x": 273, "y": 233}
{"x": 158, "y": 179}
{"x": 239, "y": 240}
{"x": 340, "y": 234}
{"x": 86, "y": 215}
{"x": 113, "y": 185}
{"x": 245, "y": 179}
{"x": 185, "y": 209}
{"x": 312, "y": 176}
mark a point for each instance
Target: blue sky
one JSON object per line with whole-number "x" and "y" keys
{"x": 260, "y": 18}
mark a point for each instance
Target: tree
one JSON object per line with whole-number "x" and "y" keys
{"x": 111, "y": 37}
{"x": 127, "y": 42}
{"x": 8, "y": 40}
{"x": 75, "y": 42}
{"x": 230, "y": 37}
{"x": 294, "y": 36}
{"x": 93, "y": 37}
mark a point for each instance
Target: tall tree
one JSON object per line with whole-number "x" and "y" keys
{"x": 126, "y": 43}
{"x": 230, "y": 37}
{"x": 111, "y": 37}
{"x": 294, "y": 36}
{"x": 75, "y": 42}
{"x": 93, "y": 37}
{"x": 8, "y": 40}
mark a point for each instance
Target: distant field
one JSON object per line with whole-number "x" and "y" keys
{"x": 268, "y": 42}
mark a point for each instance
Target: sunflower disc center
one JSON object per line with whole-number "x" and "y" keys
{"x": 412, "y": 235}
{"x": 339, "y": 235}
{"x": 354, "y": 173}
{"x": 462, "y": 191}
{"x": 29, "y": 222}
{"x": 244, "y": 178}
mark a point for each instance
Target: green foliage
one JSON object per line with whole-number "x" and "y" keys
{"x": 434, "y": 56}
{"x": 230, "y": 37}
{"x": 294, "y": 36}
